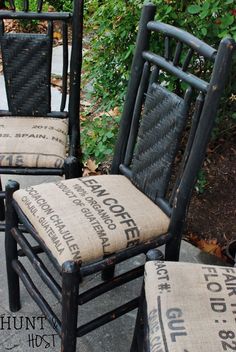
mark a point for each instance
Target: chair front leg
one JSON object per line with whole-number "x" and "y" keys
{"x": 11, "y": 248}
{"x": 70, "y": 292}
{"x": 140, "y": 341}
{"x": 108, "y": 273}
{"x": 138, "y": 337}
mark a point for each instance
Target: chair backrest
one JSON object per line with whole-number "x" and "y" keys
{"x": 27, "y": 62}
{"x": 164, "y": 115}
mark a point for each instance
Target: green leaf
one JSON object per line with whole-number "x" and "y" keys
{"x": 206, "y": 6}
{"x": 229, "y": 2}
{"x": 204, "y": 14}
{"x": 204, "y": 31}
{"x": 109, "y": 134}
{"x": 193, "y": 9}
{"x": 169, "y": 9}
{"x": 223, "y": 34}
{"x": 227, "y": 20}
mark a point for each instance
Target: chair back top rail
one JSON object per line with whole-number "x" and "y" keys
{"x": 189, "y": 78}
{"x": 23, "y": 15}
{"x": 190, "y": 40}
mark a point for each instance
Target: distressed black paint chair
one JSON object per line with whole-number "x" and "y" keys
{"x": 186, "y": 307}
{"x": 33, "y": 138}
{"x": 87, "y": 225}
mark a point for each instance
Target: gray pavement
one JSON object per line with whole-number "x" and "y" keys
{"x": 56, "y": 60}
{"x": 27, "y": 329}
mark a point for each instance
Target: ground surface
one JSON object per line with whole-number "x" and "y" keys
{"x": 212, "y": 214}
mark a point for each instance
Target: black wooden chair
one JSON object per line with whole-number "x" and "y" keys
{"x": 90, "y": 224}
{"x": 33, "y": 138}
{"x": 186, "y": 307}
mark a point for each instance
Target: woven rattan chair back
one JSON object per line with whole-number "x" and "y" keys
{"x": 27, "y": 76}
{"x": 169, "y": 114}
{"x": 27, "y": 63}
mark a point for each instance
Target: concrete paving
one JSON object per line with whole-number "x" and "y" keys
{"x": 56, "y": 59}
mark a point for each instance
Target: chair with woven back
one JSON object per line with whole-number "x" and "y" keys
{"x": 87, "y": 225}
{"x": 33, "y": 138}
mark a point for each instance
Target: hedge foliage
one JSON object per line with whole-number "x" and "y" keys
{"x": 114, "y": 24}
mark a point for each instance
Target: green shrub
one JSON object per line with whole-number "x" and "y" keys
{"x": 32, "y": 5}
{"x": 98, "y": 137}
{"x": 114, "y": 27}
{"x": 61, "y": 5}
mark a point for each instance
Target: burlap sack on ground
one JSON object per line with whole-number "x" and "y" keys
{"x": 84, "y": 219}
{"x": 191, "y": 307}
{"x": 32, "y": 142}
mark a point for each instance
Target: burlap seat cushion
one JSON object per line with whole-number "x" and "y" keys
{"x": 32, "y": 142}
{"x": 84, "y": 219}
{"x": 190, "y": 307}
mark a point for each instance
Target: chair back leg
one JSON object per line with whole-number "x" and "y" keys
{"x": 172, "y": 248}
{"x": 72, "y": 167}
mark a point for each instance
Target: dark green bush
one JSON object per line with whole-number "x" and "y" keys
{"x": 98, "y": 137}
{"x": 114, "y": 27}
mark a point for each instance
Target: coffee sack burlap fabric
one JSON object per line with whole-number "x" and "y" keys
{"x": 32, "y": 141}
{"x": 191, "y": 307}
{"x": 86, "y": 218}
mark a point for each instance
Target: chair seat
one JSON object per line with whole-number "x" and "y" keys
{"x": 191, "y": 307}
{"x": 86, "y": 218}
{"x": 33, "y": 142}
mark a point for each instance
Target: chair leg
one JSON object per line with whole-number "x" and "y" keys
{"x": 172, "y": 249}
{"x": 70, "y": 292}
{"x": 11, "y": 249}
{"x": 140, "y": 337}
{"x": 2, "y": 206}
{"x": 108, "y": 273}
{"x": 73, "y": 167}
